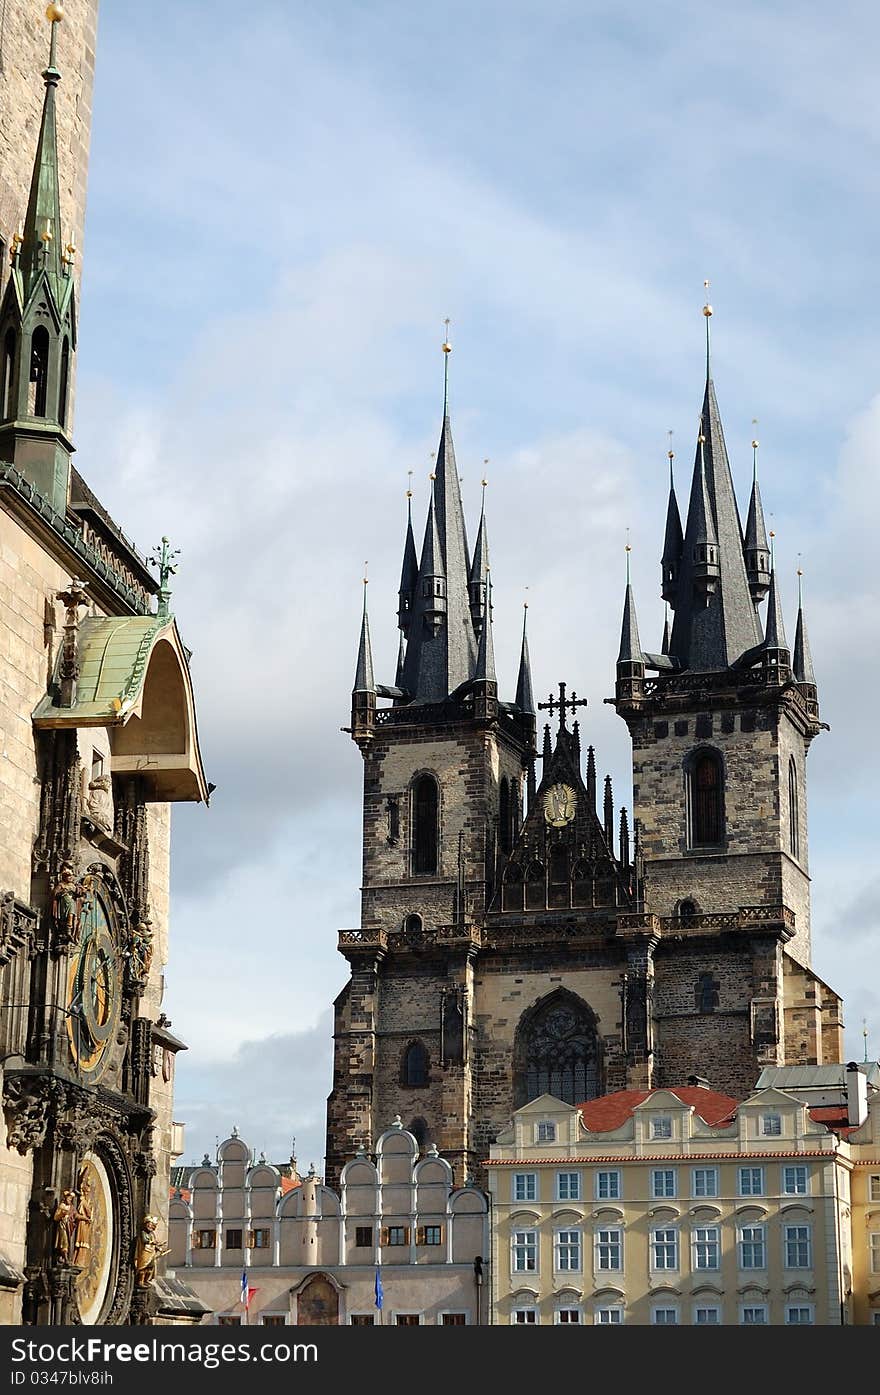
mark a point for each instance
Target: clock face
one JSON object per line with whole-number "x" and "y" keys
{"x": 560, "y": 803}
{"x": 93, "y": 993}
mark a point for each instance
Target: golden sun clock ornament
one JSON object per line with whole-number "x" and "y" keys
{"x": 560, "y": 803}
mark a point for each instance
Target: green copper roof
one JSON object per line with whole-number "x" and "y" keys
{"x": 113, "y": 655}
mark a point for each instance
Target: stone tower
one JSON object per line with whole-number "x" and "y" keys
{"x": 517, "y": 937}
{"x": 720, "y": 731}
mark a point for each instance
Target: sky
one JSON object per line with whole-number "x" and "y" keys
{"x": 285, "y": 203}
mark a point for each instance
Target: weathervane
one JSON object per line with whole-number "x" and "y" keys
{"x": 163, "y": 560}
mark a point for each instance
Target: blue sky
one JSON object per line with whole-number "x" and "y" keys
{"x": 285, "y": 202}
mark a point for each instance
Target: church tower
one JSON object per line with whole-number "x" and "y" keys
{"x": 721, "y": 723}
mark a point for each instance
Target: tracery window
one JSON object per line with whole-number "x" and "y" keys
{"x": 557, "y": 1052}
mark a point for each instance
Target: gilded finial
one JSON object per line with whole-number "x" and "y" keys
{"x": 409, "y": 475}
{"x": 432, "y": 476}
{"x": 54, "y": 14}
{"x": 670, "y": 456}
{"x": 707, "y": 311}
{"x": 447, "y": 347}
{"x": 447, "y": 350}
{"x": 755, "y": 444}
{"x": 772, "y": 535}
{"x": 707, "y": 308}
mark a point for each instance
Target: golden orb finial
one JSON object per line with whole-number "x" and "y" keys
{"x": 54, "y": 14}
{"x": 707, "y": 308}
{"x": 432, "y": 476}
{"x": 447, "y": 347}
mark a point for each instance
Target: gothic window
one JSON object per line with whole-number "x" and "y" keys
{"x": 583, "y": 884}
{"x": 707, "y": 993}
{"x": 62, "y": 388}
{"x": 794, "y": 840}
{"x": 8, "y": 368}
{"x": 425, "y": 803}
{"x": 513, "y": 887}
{"x": 535, "y": 887}
{"x": 558, "y": 889}
{"x": 705, "y": 804}
{"x": 687, "y": 910}
{"x": 415, "y": 1064}
{"x": 420, "y": 1132}
{"x": 505, "y": 840}
{"x": 557, "y": 1051}
{"x": 393, "y": 818}
{"x": 39, "y": 373}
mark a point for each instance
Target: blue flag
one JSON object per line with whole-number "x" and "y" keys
{"x": 378, "y": 1289}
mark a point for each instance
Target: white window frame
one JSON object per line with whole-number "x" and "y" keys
{"x": 787, "y": 1241}
{"x": 545, "y": 1131}
{"x": 707, "y": 1308}
{"x": 531, "y": 1181}
{"x": 614, "y": 1241}
{"x": 609, "y": 1172}
{"x": 874, "y": 1186}
{"x": 809, "y": 1321}
{"x": 795, "y": 1169}
{"x": 407, "y": 1312}
{"x": 577, "y": 1244}
{"x": 576, "y": 1321}
{"x": 874, "y": 1251}
{"x": 661, "y": 1127}
{"x": 711, "y": 1236}
{"x": 711, "y": 1172}
{"x": 665, "y": 1308}
{"x": 753, "y": 1308}
{"x": 468, "y": 1320}
{"x": 875, "y": 1317}
{"x": 771, "y": 1125}
{"x": 665, "y": 1230}
{"x": 524, "y": 1317}
{"x": 523, "y": 1245}
{"x": 569, "y": 1195}
{"x": 350, "y": 1320}
{"x": 664, "y": 1172}
{"x": 741, "y": 1173}
{"x": 741, "y": 1242}
{"x": 608, "y": 1315}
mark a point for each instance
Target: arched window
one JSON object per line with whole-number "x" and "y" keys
{"x": 425, "y": 805}
{"x": 687, "y": 910}
{"x": 8, "y": 369}
{"x": 39, "y": 374}
{"x": 583, "y": 884}
{"x": 505, "y": 841}
{"x": 707, "y": 993}
{"x": 794, "y": 832}
{"x": 558, "y": 892}
{"x": 512, "y": 894}
{"x": 535, "y": 890}
{"x": 557, "y": 1051}
{"x": 705, "y": 786}
{"x": 415, "y": 1064}
{"x": 421, "y": 1133}
{"x": 63, "y": 384}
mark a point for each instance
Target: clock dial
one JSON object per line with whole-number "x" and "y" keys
{"x": 93, "y": 992}
{"x": 560, "y": 803}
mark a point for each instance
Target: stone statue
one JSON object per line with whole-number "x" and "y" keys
{"x": 99, "y": 802}
{"x": 66, "y": 902}
{"x": 147, "y": 1250}
{"x": 82, "y": 1217}
{"x": 141, "y": 949}
{"x": 63, "y": 1216}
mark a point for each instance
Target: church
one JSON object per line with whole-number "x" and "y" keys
{"x": 517, "y": 938}
{"x": 99, "y": 738}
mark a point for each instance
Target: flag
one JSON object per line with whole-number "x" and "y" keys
{"x": 245, "y": 1291}
{"x": 378, "y": 1289}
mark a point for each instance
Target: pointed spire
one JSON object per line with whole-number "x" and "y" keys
{"x": 364, "y": 681}
{"x": 608, "y": 812}
{"x": 525, "y": 700}
{"x": 485, "y": 667}
{"x": 755, "y": 546}
{"x": 591, "y": 777}
{"x": 401, "y": 660}
{"x": 624, "y": 838}
{"x": 673, "y": 539}
{"x": 547, "y": 750}
{"x": 776, "y": 651}
{"x": 41, "y": 241}
{"x": 630, "y": 652}
{"x": 664, "y": 647}
{"x": 802, "y": 662}
{"x": 478, "y": 584}
{"x": 715, "y": 621}
{"x": 409, "y": 572}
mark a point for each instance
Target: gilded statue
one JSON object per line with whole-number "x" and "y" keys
{"x": 63, "y": 1216}
{"x": 82, "y": 1217}
{"x": 66, "y": 901}
{"x": 147, "y": 1250}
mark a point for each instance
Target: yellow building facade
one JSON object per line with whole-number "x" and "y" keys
{"x": 683, "y": 1207}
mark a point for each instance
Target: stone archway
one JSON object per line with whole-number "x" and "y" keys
{"x": 317, "y": 1303}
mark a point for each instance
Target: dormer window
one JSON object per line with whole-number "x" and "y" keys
{"x": 771, "y": 1125}
{"x": 661, "y": 1126}
{"x": 546, "y": 1131}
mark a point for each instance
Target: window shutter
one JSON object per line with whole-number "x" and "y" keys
{"x": 406, "y": 1235}
{"x": 384, "y": 1240}
{"x": 251, "y": 1238}
{"x": 196, "y": 1240}
{"x": 420, "y": 1235}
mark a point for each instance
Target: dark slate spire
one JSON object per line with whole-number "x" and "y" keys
{"x": 478, "y": 583}
{"x": 756, "y": 547}
{"x": 364, "y": 682}
{"x": 630, "y": 652}
{"x": 591, "y": 777}
{"x": 803, "y": 660}
{"x": 664, "y": 647}
{"x": 608, "y": 812}
{"x": 409, "y": 572}
{"x": 673, "y": 542}
{"x": 715, "y": 621}
{"x": 485, "y": 667}
{"x": 775, "y": 644}
{"x": 401, "y": 660}
{"x": 40, "y": 248}
{"x": 441, "y": 645}
{"x": 524, "y": 696}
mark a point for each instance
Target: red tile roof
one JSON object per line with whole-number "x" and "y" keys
{"x": 180, "y": 1193}
{"x": 833, "y": 1116}
{"x": 289, "y": 1184}
{"x": 610, "y": 1111}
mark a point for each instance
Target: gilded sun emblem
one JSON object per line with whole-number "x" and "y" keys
{"x": 560, "y": 802}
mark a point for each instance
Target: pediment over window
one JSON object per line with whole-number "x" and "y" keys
{"x": 134, "y": 680}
